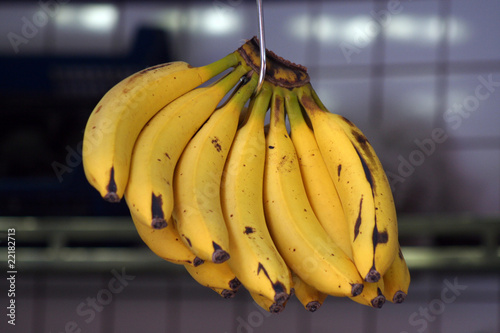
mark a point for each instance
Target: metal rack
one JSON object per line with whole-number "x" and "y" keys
{"x": 434, "y": 243}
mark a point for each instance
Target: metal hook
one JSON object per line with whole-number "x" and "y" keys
{"x": 262, "y": 73}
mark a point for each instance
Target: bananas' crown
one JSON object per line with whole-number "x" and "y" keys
{"x": 279, "y": 71}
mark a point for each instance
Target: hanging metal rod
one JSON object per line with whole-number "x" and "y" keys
{"x": 262, "y": 41}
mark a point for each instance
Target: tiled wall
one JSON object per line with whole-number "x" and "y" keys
{"x": 398, "y": 69}
{"x": 423, "y": 69}
{"x": 437, "y": 303}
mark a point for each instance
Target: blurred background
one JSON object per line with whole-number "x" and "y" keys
{"x": 420, "y": 78}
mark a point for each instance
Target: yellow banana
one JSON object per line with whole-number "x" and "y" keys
{"x": 213, "y": 275}
{"x": 197, "y": 179}
{"x": 166, "y": 244}
{"x": 296, "y": 231}
{"x": 372, "y": 295}
{"x": 320, "y": 188}
{"x": 397, "y": 279}
{"x": 309, "y": 297}
{"x": 361, "y": 184}
{"x": 267, "y": 303}
{"x": 254, "y": 257}
{"x": 149, "y": 192}
{"x": 120, "y": 115}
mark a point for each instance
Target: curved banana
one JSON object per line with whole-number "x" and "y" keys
{"x": 296, "y": 231}
{"x": 219, "y": 276}
{"x": 149, "y": 192}
{"x": 397, "y": 280}
{"x": 372, "y": 295}
{"x": 319, "y": 186}
{"x": 309, "y": 297}
{"x": 120, "y": 115}
{"x": 198, "y": 175}
{"x": 361, "y": 184}
{"x": 166, "y": 244}
{"x": 268, "y": 304}
{"x": 254, "y": 257}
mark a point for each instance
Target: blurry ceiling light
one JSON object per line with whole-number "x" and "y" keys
{"x": 401, "y": 27}
{"x": 98, "y": 17}
{"x": 416, "y": 29}
{"x": 300, "y": 26}
{"x": 325, "y": 28}
{"x": 359, "y": 30}
{"x": 428, "y": 29}
{"x": 458, "y": 31}
{"x": 434, "y": 29}
{"x": 67, "y": 16}
{"x": 364, "y": 29}
{"x": 214, "y": 21}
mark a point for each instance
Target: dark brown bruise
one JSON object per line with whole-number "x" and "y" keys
{"x": 158, "y": 221}
{"x": 249, "y": 230}
{"x": 358, "y": 220}
{"x": 277, "y": 108}
{"x": 379, "y": 237}
{"x": 111, "y": 196}
{"x": 216, "y": 143}
{"x": 366, "y": 169}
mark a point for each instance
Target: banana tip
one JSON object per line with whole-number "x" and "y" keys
{"x": 399, "y": 297}
{"x": 281, "y": 297}
{"x": 276, "y": 308}
{"x": 313, "y": 306}
{"x": 198, "y": 261}
{"x": 112, "y": 197}
{"x": 234, "y": 284}
{"x": 219, "y": 256}
{"x": 226, "y": 293}
{"x": 158, "y": 223}
{"x": 372, "y": 276}
{"x": 378, "y": 301}
{"x": 357, "y": 289}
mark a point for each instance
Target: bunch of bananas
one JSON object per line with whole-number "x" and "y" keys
{"x": 280, "y": 208}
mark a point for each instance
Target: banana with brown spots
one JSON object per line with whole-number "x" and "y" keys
{"x": 149, "y": 193}
{"x": 121, "y": 114}
{"x": 254, "y": 257}
{"x": 296, "y": 231}
{"x": 198, "y": 175}
{"x": 362, "y": 185}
